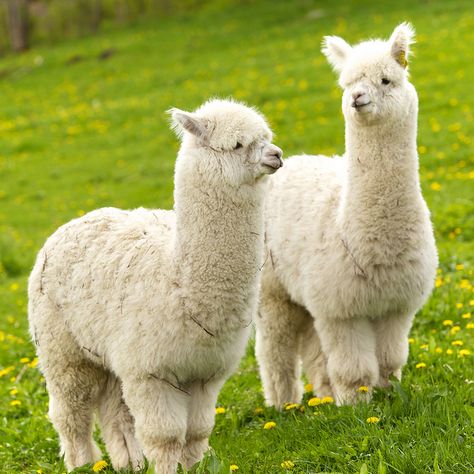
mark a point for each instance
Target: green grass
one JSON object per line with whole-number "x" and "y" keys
{"x": 75, "y": 136}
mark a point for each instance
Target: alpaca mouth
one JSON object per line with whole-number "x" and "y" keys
{"x": 273, "y": 164}
{"x": 360, "y": 107}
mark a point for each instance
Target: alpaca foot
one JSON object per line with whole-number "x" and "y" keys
{"x": 87, "y": 454}
{"x": 352, "y": 393}
{"x": 386, "y": 374}
{"x": 194, "y": 451}
{"x": 165, "y": 455}
{"x": 130, "y": 457}
{"x": 324, "y": 390}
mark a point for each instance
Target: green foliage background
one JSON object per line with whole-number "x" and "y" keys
{"x": 78, "y": 132}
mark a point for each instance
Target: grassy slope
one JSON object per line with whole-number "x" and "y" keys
{"x": 78, "y": 136}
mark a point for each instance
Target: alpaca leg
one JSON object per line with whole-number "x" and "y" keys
{"x": 392, "y": 346}
{"x": 200, "y": 420}
{"x": 351, "y": 351}
{"x": 276, "y": 347}
{"x": 314, "y": 359}
{"x": 160, "y": 410}
{"x": 117, "y": 427}
{"x": 73, "y": 390}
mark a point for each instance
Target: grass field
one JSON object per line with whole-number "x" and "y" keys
{"x": 78, "y": 132}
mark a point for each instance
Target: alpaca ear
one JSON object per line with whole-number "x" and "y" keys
{"x": 336, "y": 51}
{"x": 402, "y": 37}
{"x": 187, "y": 121}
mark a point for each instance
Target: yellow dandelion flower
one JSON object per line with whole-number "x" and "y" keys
{"x": 287, "y": 464}
{"x": 233, "y": 468}
{"x": 454, "y": 330}
{"x": 420, "y": 365}
{"x": 99, "y": 466}
{"x": 220, "y": 410}
{"x": 327, "y": 400}
{"x": 447, "y": 322}
{"x": 363, "y": 389}
{"x": 459, "y": 305}
{"x": 435, "y": 186}
{"x": 269, "y": 425}
{"x": 457, "y": 343}
{"x": 291, "y": 406}
{"x": 438, "y": 350}
{"x": 466, "y": 316}
{"x": 424, "y": 346}
{"x": 312, "y": 402}
{"x": 459, "y": 266}
{"x": 372, "y": 420}
{"x": 470, "y": 326}
{"x": 471, "y": 302}
{"x": 464, "y": 352}
{"x": 258, "y": 411}
{"x": 438, "y": 282}
{"x": 15, "y": 403}
{"x": 7, "y": 370}
{"x": 33, "y": 363}
{"x": 14, "y": 287}
{"x": 24, "y": 360}
{"x": 308, "y": 387}
{"x": 411, "y": 340}
{"x": 13, "y": 392}
{"x": 449, "y": 351}
{"x": 39, "y": 471}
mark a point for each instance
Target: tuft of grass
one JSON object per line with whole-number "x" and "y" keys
{"x": 76, "y": 135}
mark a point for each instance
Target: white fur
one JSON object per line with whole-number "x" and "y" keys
{"x": 351, "y": 252}
{"x": 143, "y": 314}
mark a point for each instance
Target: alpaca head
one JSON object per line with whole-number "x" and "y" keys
{"x": 374, "y": 77}
{"x": 227, "y": 140}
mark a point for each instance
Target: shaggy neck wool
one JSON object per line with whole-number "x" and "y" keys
{"x": 219, "y": 254}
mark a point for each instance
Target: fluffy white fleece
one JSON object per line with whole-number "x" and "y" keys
{"x": 143, "y": 314}
{"x": 352, "y": 256}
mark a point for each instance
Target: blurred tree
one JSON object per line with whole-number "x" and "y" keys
{"x": 17, "y": 14}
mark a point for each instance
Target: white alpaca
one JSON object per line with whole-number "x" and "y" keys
{"x": 155, "y": 306}
{"x": 351, "y": 253}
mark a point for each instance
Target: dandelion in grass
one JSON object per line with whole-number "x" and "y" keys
{"x": 269, "y": 425}
{"x": 438, "y": 350}
{"x": 471, "y": 302}
{"x": 457, "y": 343}
{"x": 459, "y": 305}
{"x": 454, "y": 330}
{"x": 424, "y": 346}
{"x": 33, "y": 363}
{"x": 258, "y": 411}
{"x": 288, "y": 464}
{"x": 14, "y": 287}
{"x": 372, "y": 420}
{"x": 24, "y": 360}
{"x": 308, "y": 388}
{"x": 15, "y": 403}
{"x": 363, "y": 389}
{"x": 459, "y": 266}
{"x": 435, "y": 186}
{"x": 411, "y": 340}
{"x": 220, "y": 410}
{"x": 470, "y": 326}
{"x": 327, "y": 400}
{"x": 233, "y": 468}
{"x": 466, "y": 316}
{"x": 291, "y": 406}
{"x": 447, "y": 322}
{"x": 99, "y": 466}
{"x": 420, "y": 365}
{"x": 464, "y": 352}
{"x": 449, "y": 351}
{"x": 13, "y": 392}
{"x": 312, "y": 402}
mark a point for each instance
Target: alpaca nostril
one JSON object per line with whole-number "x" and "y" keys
{"x": 356, "y": 95}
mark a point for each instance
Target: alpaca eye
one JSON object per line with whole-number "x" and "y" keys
{"x": 238, "y": 145}
{"x": 385, "y": 81}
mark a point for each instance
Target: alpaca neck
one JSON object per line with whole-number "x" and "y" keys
{"x": 218, "y": 248}
{"x": 381, "y": 188}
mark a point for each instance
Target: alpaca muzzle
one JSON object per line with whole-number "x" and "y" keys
{"x": 359, "y": 100}
{"x": 272, "y": 158}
